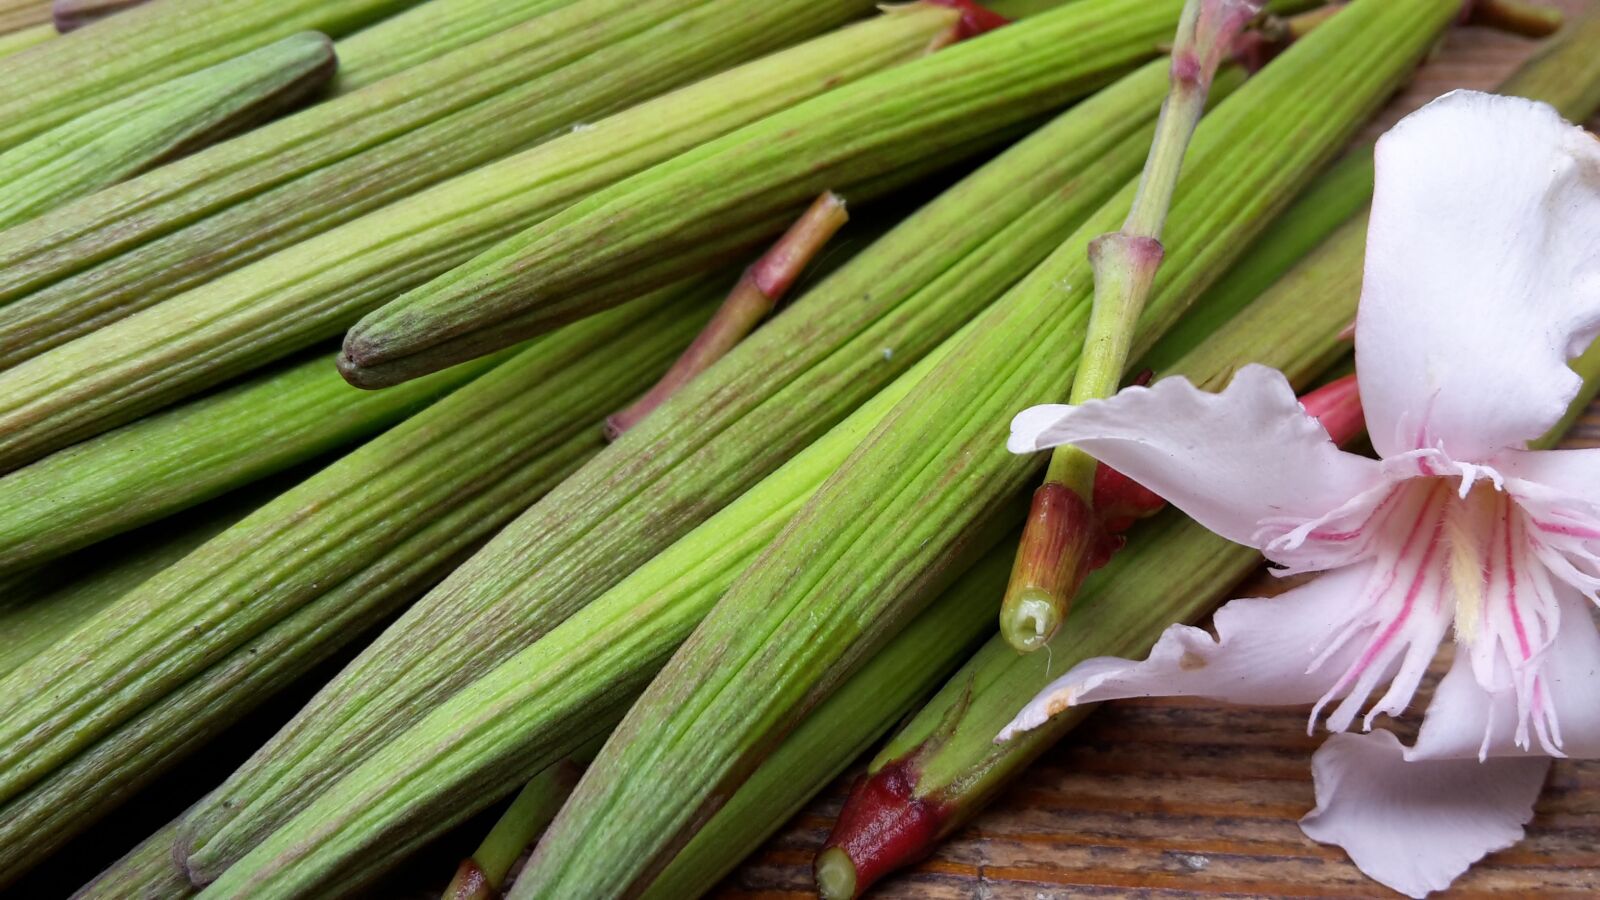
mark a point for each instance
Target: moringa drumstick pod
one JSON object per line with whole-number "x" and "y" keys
{"x": 546, "y": 700}
{"x": 569, "y": 687}
{"x": 17, "y": 41}
{"x": 313, "y": 289}
{"x": 160, "y": 123}
{"x": 62, "y": 79}
{"x": 131, "y": 246}
{"x": 144, "y": 873}
{"x": 845, "y": 573}
{"x": 773, "y": 394}
{"x": 666, "y": 217}
{"x": 155, "y": 466}
{"x": 427, "y": 31}
{"x": 147, "y": 678}
{"x": 38, "y": 607}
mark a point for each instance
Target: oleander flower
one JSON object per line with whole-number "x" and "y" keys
{"x": 1482, "y": 279}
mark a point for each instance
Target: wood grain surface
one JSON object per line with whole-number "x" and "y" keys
{"x": 1177, "y": 798}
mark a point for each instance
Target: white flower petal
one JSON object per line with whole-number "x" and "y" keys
{"x": 1482, "y": 275}
{"x": 1416, "y": 826}
{"x": 1229, "y": 459}
{"x": 1571, "y": 677}
{"x": 1263, "y": 654}
{"x": 1559, "y": 489}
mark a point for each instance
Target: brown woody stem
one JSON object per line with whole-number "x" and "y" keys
{"x": 758, "y": 291}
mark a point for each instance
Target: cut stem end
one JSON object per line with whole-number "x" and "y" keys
{"x": 836, "y": 874}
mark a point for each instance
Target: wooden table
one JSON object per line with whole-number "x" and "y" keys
{"x": 1174, "y": 798}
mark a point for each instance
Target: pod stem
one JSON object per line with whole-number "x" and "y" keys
{"x": 759, "y": 289}
{"x": 483, "y": 875}
{"x": 1062, "y": 536}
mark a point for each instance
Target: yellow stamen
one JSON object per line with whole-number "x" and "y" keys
{"x": 1468, "y": 527}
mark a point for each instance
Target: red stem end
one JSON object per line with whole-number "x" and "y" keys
{"x": 883, "y": 827}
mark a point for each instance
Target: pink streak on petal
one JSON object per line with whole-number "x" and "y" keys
{"x": 1511, "y": 588}
{"x": 1376, "y": 647}
{"x": 1568, "y": 530}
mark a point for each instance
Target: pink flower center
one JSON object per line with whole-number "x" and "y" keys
{"x": 1438, "y": 558}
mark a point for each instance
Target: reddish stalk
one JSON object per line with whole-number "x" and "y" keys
{"x": 758, "y": 291}
{"x": 1125, "y": 262}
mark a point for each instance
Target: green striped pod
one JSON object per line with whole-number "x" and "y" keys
{"x": 61, "y": 79}
{"x": 163, "y": 122}
{"x": 42, "y": 605}
{"x": 150, "y": 677}
{"x": 841, "y": 729}
{"x": 669, "y": 215}
{"x": 548, "y": 701}
{"x": 155, "y": 466}
{"x": 784, "y": 386}
{"x": 314, "y": 289}
{"x": 129, "y": 247}
{"x": 144, "y": 873}
{"x": 541, "y": 705}
{"x": 427, "y": 31}
{"x": 17, "y": 41}
{"x": 847, "y": 571}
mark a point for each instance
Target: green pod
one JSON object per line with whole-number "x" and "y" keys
{"x": 129, "y": 247}
{"x": 158, "y": 465}
{"x": 40, "y": 606}
{"x": 17, "y": 41}
{"x": 841, "y": 729}
{"x": 144, "y": 873}
{"x": 780, "y": 389}
{"x": 312, "y": 290}
{"x": 152, "y": 676}
{"x": 668, "y": 216}
{"x": 62, "y": 79}
{"x": 160, "y": 123}
{"x": 850, "y": 568}
{"x": 427, "y": 31}
{"x": 565, "y": 690}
